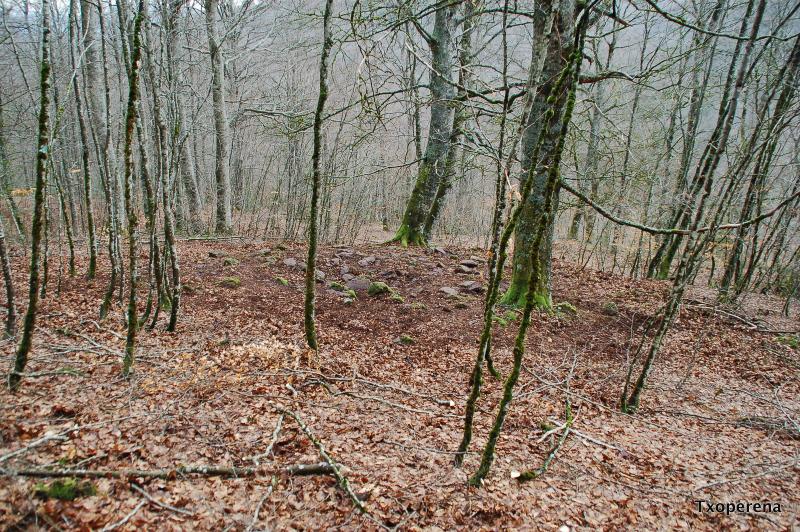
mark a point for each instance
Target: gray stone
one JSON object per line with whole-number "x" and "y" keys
{"x": 472, "y": 286}
{"x": 217, "y": 254}
{"x": 366, "y": 261}
{"x": 464, "y": 269}
{"x": 449, "y": 291}
{"x": 359, "y": 284}
{"x": 469, "y": 263}
{"x": 290, "y": 262}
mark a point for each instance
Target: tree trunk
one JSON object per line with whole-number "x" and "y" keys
{"x": 224, "y": 217}
{"x": 525, "y": 233}
{"x": 42, "y": 153}
{"x": 316, "y": 177}
{"x": 432, "y": 167}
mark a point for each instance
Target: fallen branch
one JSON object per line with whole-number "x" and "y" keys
{"x": 62, "y": 436}
{"x": 539, "y": 471}
{"x": 272, "y": 442}
{"x": 261, "y": 503}
{"x": 336, "y": 471}
{"x": 321, "y": 468}
{"x": 125, "y": 519}
{"x": 159, "y": 503}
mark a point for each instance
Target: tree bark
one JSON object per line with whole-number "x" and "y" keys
{"x": 224, "y": 216}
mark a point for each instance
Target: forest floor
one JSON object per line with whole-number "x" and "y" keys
{"x": 385, "y": 396}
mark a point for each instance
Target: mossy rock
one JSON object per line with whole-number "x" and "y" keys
{"x": 351, "y": 294}
{"x": 336, "y": 285}
{"x": 789, "y": 340}
{"x": 397, "y": 297}
{"x": 405, "y": 339}
{"x": 230, "y": 261}
{"x": 231, "y": 282}
{"x": 506, "y": 318}
{"x": 377, "y": 288}
{"x": 67, "y": 489}
{"x": 282, "y": 281}
{"x": 609, "y": 308}
{"x": 565, "y": 308}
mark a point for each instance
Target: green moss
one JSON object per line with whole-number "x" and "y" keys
{"x": 377, "y": 288}
{"x": 67, "y": 489}
{"x": 789, "y": 340}
{"x": 230, "y": 261}
{"x": 231, "y": 282}
{"x": 545, "y": 426}
{"x": 406, "y": 339}
{"x": 397, "y": 297}
{"x": 282, "y": 281}
{"x": 350, "y": 293}
{"x": 609, "y": 308}
{"x": 565, "y": 308}
{"x": 336, "y": 285}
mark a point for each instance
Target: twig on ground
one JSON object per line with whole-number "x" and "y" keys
{"x": 272, "y": 442}
{"x": 61, "y": 436}
{"x": 261, "y": 503}
{"x": 159, "y": 503}
{"x": 125, "y": 519}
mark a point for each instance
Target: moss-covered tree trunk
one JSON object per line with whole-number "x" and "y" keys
{"x": 316, "y": 178}
{"x": 432, "y": 168}
{"x": 130, "y": 208}
{"x": 556, "y": 119}
{"x": 460, "y": 117}
{"x": 525, "y": 233}
{"x": 42, "y": 154}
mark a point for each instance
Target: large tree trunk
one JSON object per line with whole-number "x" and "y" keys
{"x": 432, "y": 168}
{"x": 224, "y": 217}
{"x": 557, "y": 55}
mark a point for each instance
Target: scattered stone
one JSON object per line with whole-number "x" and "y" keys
{"x": 367, "y": 261}
{"x": 469, "y": 263}
{"x": 217, "y": 254}
{"x": 348, "y": 276}
{"x": 464, "y": 269}
{"x": 449, "y": 291}
{"x": 441, "y": 251}
{"x": 319, "y": 275}
{"x": 359, "y": 284}
{"x": 231, "y": 282}
{"x": 335, "y": 261}
{"x": 345, "y": 269}
{"x": 377, "y": 288}
{"x": 230, "y": 261}
{"x": 477, "y": 259}
{"x": 609, "y": 308}
{"x": 461, "y": 304}
{"x": 290, "y": 262}
{"x": 472, "y": 286}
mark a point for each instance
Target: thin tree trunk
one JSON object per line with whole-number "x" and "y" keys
{"x": 316, "y": 177}
{"x": 42, "y": 153}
